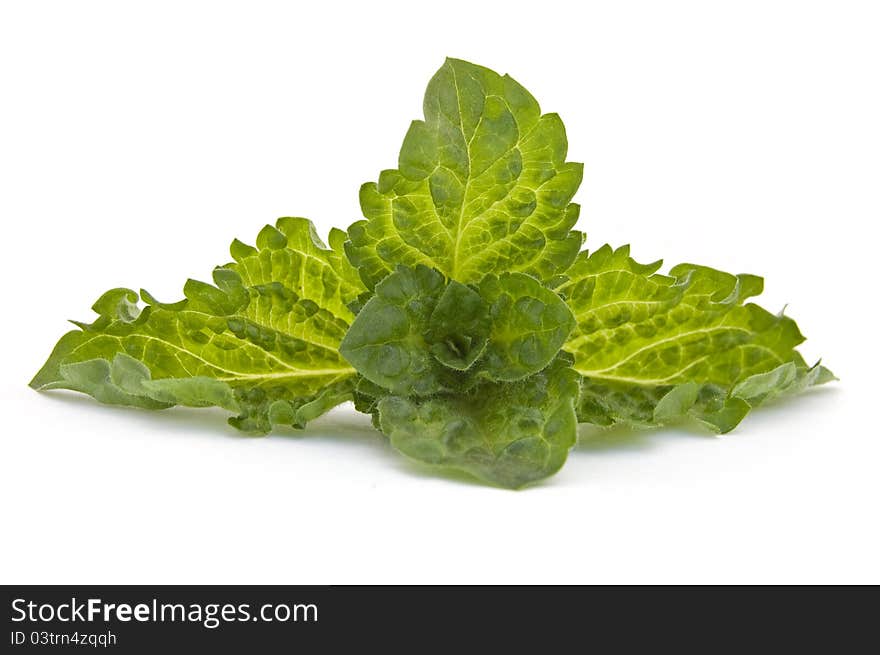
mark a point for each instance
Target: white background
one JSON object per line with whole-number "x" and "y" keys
{"x": 137, "y": 139}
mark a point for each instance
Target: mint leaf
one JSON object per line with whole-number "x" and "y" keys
{"x": 653, "y": 349}
{"x": 422, "y": 334}
{"x": 692, "y": 325}
{"x": 482, "y": 186}
{"x": 529, "y": 325}
{"x": 262, "y": 341}
{"x": 505, "y": 433}
{"x": 387, "y": 341}
{"x": 463, "y": 376}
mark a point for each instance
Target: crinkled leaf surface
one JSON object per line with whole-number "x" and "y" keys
{"x": 421, "y": 334}
{"x": 262, "y": 341}
{"x": 482, "y": 186}
{"x": 656, "y": 348}
{"x": 692, "y": 325}
{"x": 506, "y": 433}
{"x": 721, "y": 409}
{"x": 387, "y": 340}
{"x": 529, "y": 325}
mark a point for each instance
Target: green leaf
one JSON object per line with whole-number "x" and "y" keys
{"x": 262, "y": 341}
{"x": 505, "y": 433}
{"x": 421, "y": 334}
{"x": 635, "y": 326}
{"x": 482, "y": 186}
{"x": 529, "y": 325}
{"x": 653, "y": 349}
{"x": 292, "y": 256}
{"x": 387, "y": 341}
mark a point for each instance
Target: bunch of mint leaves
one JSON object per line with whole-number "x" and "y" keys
{"x": 461, "y": 313}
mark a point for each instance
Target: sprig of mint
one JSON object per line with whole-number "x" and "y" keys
{"x": 460, "y": 313}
